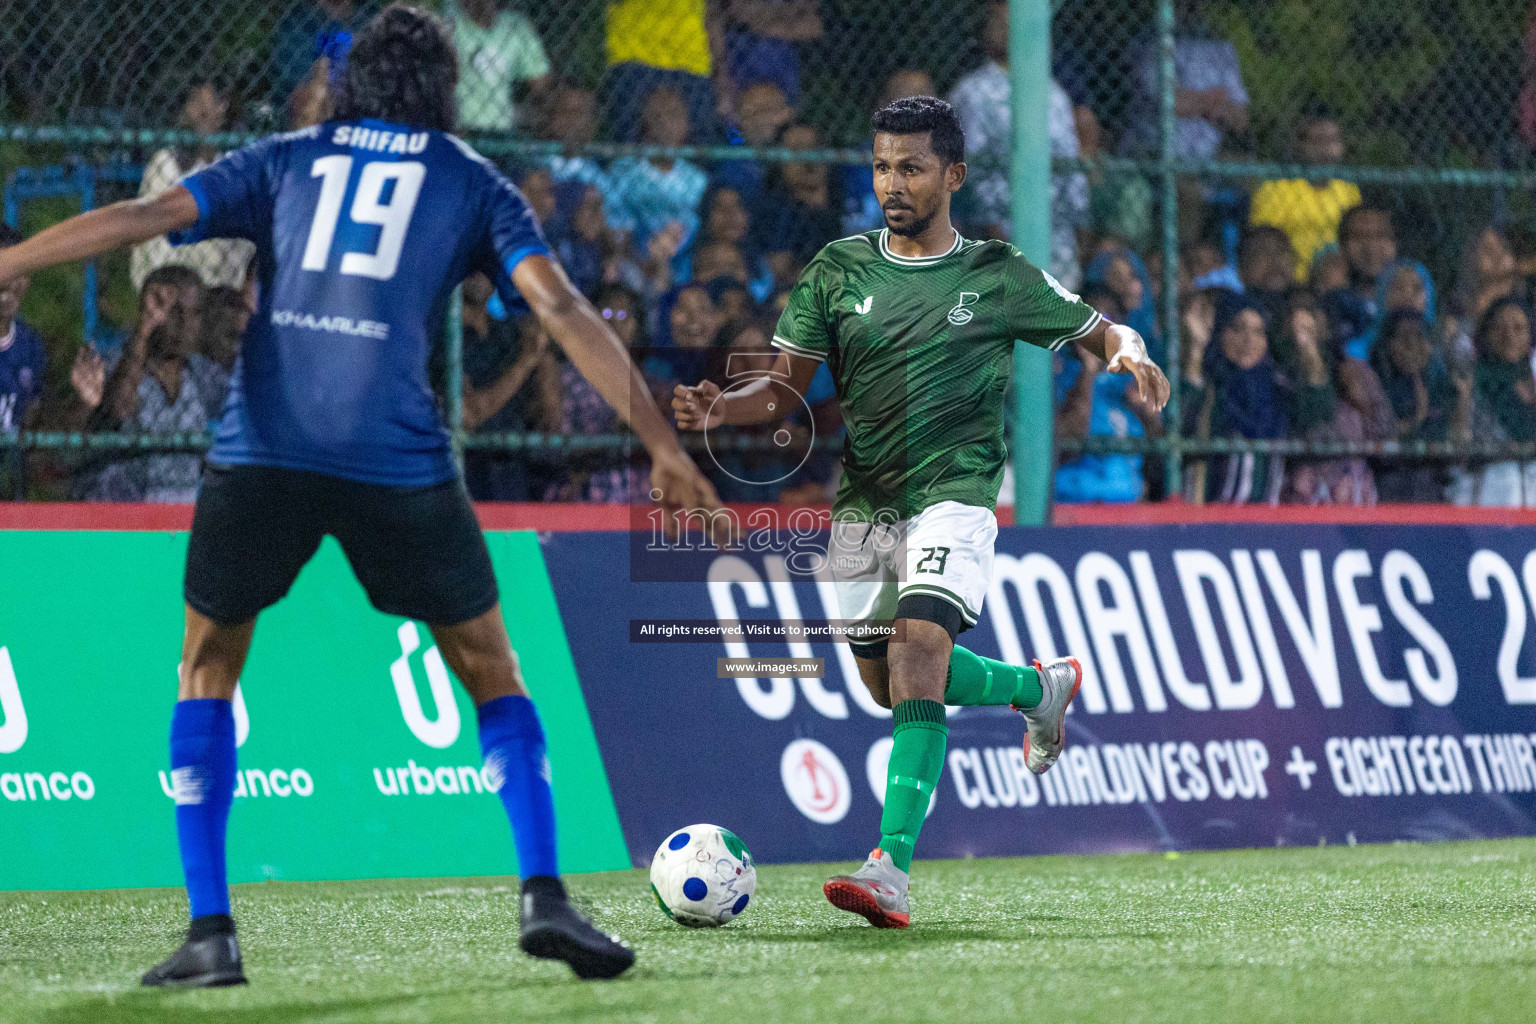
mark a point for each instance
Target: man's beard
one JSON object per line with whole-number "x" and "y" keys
{"x": 912, "y": 230}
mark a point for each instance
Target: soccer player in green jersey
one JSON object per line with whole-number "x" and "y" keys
{"x": 917, "y": 326}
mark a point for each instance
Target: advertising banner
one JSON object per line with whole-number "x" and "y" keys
{"x": 359, "y": 756}
{"x": 1244, "y": 686}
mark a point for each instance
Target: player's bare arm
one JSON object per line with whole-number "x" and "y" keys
{"x": 764, "y": 400}
{"x": 97, "y": 231}
{"x": 602, "y": 358}
{"x": 1124, "y": 351}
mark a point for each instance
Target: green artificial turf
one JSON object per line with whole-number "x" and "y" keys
{"x": 1443, "y": 933}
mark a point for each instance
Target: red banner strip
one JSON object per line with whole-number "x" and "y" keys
{"x": 547, "y": 517}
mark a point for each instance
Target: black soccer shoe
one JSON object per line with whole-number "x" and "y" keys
{"x": 210, "y": 958}
{"x": 555, "y": 930}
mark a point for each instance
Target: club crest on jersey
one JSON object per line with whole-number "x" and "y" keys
{"x": 961, "y": 314}
{"x": 865, "y": 306}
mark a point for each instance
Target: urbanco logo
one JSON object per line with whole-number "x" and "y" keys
{"x": 264, "y": 782}
{"x": 34, "y": 785}
{"x": 13, "y": 714}
{"x": 815, "y": 781}
{"x": 441, "y": 731}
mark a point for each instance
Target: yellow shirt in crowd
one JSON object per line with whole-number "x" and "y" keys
{"x": 662, "y": 33}
{"x": 1308, "y": 215}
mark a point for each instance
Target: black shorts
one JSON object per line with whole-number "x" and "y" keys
{"x": 417, "y": 551}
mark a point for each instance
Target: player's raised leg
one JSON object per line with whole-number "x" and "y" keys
{"x": 1042, "y": 693}
{"x": 512, "y": 741}
{"x": 203, "y": 783}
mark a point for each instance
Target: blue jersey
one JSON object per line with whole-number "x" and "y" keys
{"x": 23, "y": 364}
{"x": 362, "y": 230}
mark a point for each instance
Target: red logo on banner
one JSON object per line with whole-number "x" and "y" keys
{"x": 824, "y": 789}
{"x": 815, "y": 781}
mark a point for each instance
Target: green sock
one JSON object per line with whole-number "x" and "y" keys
{"x": 917, "y": 762}
{"x": 976, "y": 680}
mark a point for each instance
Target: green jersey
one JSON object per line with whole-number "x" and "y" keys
{"x": 921, "y": 351}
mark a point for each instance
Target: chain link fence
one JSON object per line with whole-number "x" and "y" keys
{"x": 113, "y": 65}
{"x": 690, "y": 156}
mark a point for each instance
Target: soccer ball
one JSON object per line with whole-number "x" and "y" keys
{"x": 703, "y": 876}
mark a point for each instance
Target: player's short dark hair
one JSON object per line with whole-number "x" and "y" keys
{"x": 403, "y": 69}
{"x": 915, "y": 115}
{"x": 9, "y": 236}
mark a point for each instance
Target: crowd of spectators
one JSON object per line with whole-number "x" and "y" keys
{"x": 1299, "y": 317}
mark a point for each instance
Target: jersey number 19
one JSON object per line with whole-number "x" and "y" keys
{"x": 393, "y": 217}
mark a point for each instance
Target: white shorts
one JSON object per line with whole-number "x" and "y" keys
{"x": 943, "y": 553}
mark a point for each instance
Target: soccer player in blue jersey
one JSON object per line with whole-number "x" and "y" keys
{"x": 363, "y": 226}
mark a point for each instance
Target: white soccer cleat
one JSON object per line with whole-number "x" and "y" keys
{"x": 877, "y": 892}
{"x": 1045, "y": 731}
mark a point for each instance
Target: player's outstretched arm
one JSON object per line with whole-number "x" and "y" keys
{"x": 602, "y": 358}
{"x": 765, "y": 400}
{"x": 1124, "y": 351}
{"x": 98, "y": 231}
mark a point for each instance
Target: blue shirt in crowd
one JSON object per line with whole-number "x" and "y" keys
{"x": 23, "y": 363}
{"x": 362, "y": 229}
{"x": 1101, "y": 477}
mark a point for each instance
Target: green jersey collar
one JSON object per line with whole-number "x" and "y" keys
{"x": 915, "y": 261}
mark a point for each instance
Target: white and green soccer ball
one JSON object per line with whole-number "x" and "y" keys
{"x": 703, "y": 876}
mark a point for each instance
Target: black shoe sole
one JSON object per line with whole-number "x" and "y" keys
{"x": 550, "y": 943}
{"x": 216, "y": 979}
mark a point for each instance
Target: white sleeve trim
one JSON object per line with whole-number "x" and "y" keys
{"x": 1081, "y": 332}
{"x": 796, "y": 350}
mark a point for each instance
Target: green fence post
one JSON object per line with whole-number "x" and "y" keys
{"x": 1029, "y": 74}
{"x": 1167, "y": 85}
{"x": 454, "y": 331}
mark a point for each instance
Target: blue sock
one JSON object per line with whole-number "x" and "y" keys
{"x": 203, "y": 779}
{"x": 512, "y": 741}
